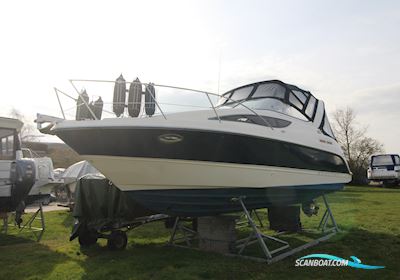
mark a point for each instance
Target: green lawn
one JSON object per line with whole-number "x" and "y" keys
{"x": 369, "y": 218}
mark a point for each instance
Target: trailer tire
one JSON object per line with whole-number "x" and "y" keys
{"x": 46, "y": 201}
{"x": 87, "y": 238}
{"x": 117, "y": 240}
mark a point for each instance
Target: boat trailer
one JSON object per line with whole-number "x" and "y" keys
{"x": 115, "y": 234}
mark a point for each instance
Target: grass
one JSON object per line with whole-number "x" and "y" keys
{"x": 369, "y": 218}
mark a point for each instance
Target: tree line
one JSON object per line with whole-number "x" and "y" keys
{"x": 356, "y": 144}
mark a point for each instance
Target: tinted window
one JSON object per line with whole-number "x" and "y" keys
{"x": 397, "y": 160}
{"x": 242, "y": 93}
{"x": 270, "y": 90}
{"x": 382, "y": 160}
{"x": 259, "y": 120}
{"x": 311, "y": 157}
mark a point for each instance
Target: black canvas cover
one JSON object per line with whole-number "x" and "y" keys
{"x": 100, "y": 205}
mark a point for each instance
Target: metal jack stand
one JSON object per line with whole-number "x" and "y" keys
{"x": 188, "y": 234}
{"x": 37, "y": 232}
{"x": 244, "y": 223}
{"x": 324, "y": 221}
{"x": 256, "y": 236}
{"x": 27, "y": 226}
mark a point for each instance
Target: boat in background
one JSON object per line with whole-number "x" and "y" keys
{"x": 73, "y": 173}
{"x": 46, "y": 179}
{"x": 269, "y": 142}
{"x": 17, "y": 174}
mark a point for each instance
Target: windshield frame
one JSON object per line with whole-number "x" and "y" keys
{"x": 307, "y": 104}
{"x": 288, "y": 95}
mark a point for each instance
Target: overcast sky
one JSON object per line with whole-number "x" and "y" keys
{"x": 346, "y": 52}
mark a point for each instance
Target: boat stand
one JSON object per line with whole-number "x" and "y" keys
{"x": 187, "y": 234}
{"x": 256, "y": 236}
{"x": 28, "y": 225}
{"x": 271, "y": 256}
{"x": 243, "y": 222}
{"x": 181, "y": 233}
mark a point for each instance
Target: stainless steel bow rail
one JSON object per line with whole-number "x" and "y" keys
{"x": 158, "y": 104}
{"x": 184, "y": 236}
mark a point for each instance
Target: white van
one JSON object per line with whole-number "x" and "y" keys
{"x": 384, "y": 168}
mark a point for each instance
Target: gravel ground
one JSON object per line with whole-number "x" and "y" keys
{"x": 46, "y": 208}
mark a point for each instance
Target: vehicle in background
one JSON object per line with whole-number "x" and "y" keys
{"x": 384, "y": 168}
{"x": 46, "y": 178}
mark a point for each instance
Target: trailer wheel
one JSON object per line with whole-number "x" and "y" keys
{"x": 117, "y": 240}
{"x": 87, "y": 238}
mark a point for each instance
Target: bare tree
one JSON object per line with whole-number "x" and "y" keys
{"x": 28, "y": 131}
{"x": 356, "y": 146}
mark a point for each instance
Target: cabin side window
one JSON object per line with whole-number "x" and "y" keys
{"x": 253, "y": 119}
{"x": 396, "y": 160}
{"x": 7, "y": 145}
{"x": 327, "y": 127}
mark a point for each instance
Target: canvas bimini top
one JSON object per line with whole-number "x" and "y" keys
{"x": 277, "y": 96}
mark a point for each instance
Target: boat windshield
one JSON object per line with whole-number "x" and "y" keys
{"x": 7, "y": 144}
{"x": 273, "y": 95}
{"x": 279, "y": 97}
{"x": 273, "y": 105}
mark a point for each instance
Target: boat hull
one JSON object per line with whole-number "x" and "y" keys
{"x": 132, "y": 174}
{"x": 209, "y": 202}
{"x": 194, "y": 188}
{"x": 197, "y": 172}
{"x": 199, "y": 145}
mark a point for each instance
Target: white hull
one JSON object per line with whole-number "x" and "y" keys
{"x": 129, "y": 173}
